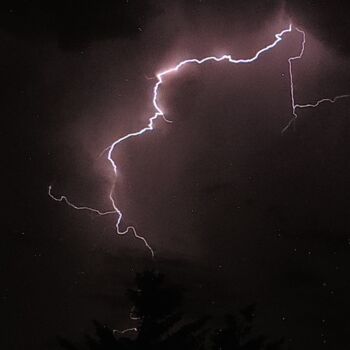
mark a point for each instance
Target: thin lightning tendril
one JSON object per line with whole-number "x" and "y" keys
{"x": 65, "y": 199}
{"x": 159, "y": 113}
{"x": 127, "y": 330}
{"x": 316, "y": 104}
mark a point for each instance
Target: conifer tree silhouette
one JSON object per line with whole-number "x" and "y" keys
{"x": 161, "y": 326}
{"x": 159, "y": 323}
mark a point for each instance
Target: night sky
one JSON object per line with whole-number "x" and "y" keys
{"x": 236, "y": 211}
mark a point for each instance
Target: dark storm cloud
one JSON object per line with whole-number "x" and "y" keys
{"x": 328, "y": 20}
{"x": 74, "y": 24}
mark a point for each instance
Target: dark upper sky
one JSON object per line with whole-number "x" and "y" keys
{"x": 235, "y": 211}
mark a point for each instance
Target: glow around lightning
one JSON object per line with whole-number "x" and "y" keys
{"x": 159, "y": 113}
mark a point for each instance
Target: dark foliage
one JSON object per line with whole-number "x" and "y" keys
{"x": 160, "y": 325}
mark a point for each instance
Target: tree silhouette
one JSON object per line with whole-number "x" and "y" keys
{"x": 237, "y": 334}
{"x": 160, "y": 324}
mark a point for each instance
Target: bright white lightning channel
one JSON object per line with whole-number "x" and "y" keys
{"x": 159, "y": 113}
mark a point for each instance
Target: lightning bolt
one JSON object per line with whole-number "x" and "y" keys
{"x": 127, "y": 330}
{"x": 160, "y": 114}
